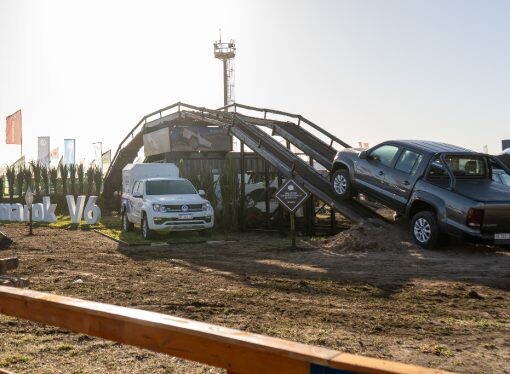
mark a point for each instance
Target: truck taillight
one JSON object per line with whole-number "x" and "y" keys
{"x": 475, "y": 218}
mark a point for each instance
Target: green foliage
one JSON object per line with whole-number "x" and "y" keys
{"x": 11, "y": 177}
{"x": 64, "y": 173}
{"x": 72, "y": 178}
{"x": 54, "y": 179}
{"x": 201, "y": 179}
{"x": 90, "y": 179}
{"x": 28, "y": 178}
{"x": 2, "y": 185}
{"x": 45, "y": 179}
{"x": 229, "y": 185}
{"x": 20, "y": 178}
{"x": 80, "y": 171}
{"x": 98, "y": 180}
{"x": 36, "y": 171}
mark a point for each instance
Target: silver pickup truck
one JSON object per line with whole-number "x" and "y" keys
{"x": 442, "y": 189}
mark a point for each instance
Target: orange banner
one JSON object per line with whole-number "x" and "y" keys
{"x": 13, "y": 128}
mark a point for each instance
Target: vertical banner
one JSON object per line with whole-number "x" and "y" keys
{"x": 69, "y": 151}
{"x": 98, "y": 152}
{"x": 106, "y": 159}
{"x": 43, "y": 150}
{"x": 13, "y": 128}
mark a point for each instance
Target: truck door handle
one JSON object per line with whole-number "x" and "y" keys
{"x": 381, "y": 172}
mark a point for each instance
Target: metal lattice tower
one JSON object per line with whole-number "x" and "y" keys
{"x": 226, "y": 52}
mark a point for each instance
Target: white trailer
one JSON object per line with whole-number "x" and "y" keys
{"x": 133, "y": 172}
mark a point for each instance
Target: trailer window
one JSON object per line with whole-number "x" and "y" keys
{"x": 169, "y": 187}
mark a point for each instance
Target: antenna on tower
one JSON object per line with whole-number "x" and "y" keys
{"x": 226, "y": 52}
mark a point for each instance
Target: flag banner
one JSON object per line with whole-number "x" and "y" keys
{"x": 43, "y": 150}
{"x": 69, "y": 151}
{"x": 54, "y": 154}
{"x": 98, "y": 152}
{"x": 13, "y": 128}
{"x": 107, "y": 157}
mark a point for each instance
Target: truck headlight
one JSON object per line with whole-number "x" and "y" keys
{"x": 206, "y": 206}
{"x": 158, "y": 207}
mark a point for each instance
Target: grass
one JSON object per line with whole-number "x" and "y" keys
{"x": 437, "y": 349}
{"x": 14, "y": 359}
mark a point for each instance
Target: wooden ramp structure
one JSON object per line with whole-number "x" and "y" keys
{"x": 249, "y": 130}
{"x": 234, "y": 350}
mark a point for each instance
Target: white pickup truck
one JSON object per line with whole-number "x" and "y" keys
{"x": 163, "y": 203}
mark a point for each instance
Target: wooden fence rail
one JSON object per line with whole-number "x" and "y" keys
{"x": 237, "y": 351}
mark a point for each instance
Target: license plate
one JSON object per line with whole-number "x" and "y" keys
{"x": 502, "y": 236}
{"x": 185, "y": 216}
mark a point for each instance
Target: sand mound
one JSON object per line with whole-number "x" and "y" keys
{"x": 371, "y": 235}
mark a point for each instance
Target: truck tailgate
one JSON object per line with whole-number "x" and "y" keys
{"x": 496, "y": 218}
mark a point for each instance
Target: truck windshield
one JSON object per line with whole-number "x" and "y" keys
{"x": 169, "y": 187}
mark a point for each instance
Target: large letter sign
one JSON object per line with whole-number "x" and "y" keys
{"x": 75, "y": 208}
{"x": 41, "y": 212}
{"x": 91, "y": 212}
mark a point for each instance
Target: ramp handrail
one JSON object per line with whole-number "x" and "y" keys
{"x": 299, "y": 117}
{"x": 237, "y": 351}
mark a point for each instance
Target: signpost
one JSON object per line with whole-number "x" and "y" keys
{"x": 291, "y": 195}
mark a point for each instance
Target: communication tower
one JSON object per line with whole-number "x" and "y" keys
{"x": 226, "y": 53}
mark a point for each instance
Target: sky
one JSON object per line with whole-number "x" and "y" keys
{"x": 364, "y": 70}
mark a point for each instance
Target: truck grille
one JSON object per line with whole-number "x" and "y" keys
{"x": 179, "y": 208}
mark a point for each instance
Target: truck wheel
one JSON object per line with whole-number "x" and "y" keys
{"x": 341, "y": 184}
{"x": 425, "y": 229}
{"x": 126, "y": 225}
{"x": 147, "y": 234}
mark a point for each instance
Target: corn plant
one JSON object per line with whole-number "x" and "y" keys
{"x": 98, "y": 180}
{"x": 45, "y": 179}
{"x": 2, "y": 185}
{"x": 90, "y": 179}
{"x": 36, "y": 171}
{"x": 53, "y": 172}
{"x": 80, "y": 174}
{"x": 72, "y": 178}
{"x": 229, "y": 185}
{"x": 28, "y": 178}
{"x": 64, "y": 173}
{"x": 20, "y": 178}
{"x": 11, "y": 177}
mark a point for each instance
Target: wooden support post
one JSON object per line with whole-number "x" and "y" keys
{"x": 280, "y": 208}
{"x": 332, "y": 220}
{"x": 293, "y": 229}
{"x": 266, "y": 192}
{"x": 242, "y": 213}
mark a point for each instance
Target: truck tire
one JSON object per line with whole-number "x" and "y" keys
{"x": 126, "y": 225}
{"x": 341, "y": 184}
{"x": 425, "y": 229}
{"x": 147, "y": 233}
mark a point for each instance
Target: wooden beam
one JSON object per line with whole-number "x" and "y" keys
{"x": 235, "y": 350}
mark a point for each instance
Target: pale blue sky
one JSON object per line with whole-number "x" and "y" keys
{"x": 364, "y": 70}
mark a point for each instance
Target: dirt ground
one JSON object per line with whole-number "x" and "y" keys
{"x": 368, "y": 291}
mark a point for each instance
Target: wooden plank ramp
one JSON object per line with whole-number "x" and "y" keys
{"x": 237, "y": 351}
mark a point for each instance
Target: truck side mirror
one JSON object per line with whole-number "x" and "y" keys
{"x": 201, "y": 193}
{"x": 363, "y": 155}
